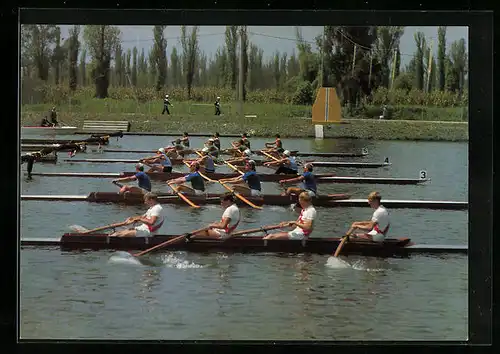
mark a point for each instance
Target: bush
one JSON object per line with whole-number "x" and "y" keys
{"x": 304, "y": 94}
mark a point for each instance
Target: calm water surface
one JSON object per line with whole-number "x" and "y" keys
{"x": 98, "y": 295}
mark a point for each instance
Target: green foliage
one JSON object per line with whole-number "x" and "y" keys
{"x": 304, "y": 94}
{"x": 404, "y": 81}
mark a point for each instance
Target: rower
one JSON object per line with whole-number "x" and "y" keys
{"x": 161, "y": 162}
{"x": 197, "y": 182}
{"x": 216, "y": 138}
{"x": 276, "y": 145}
{"x": 53, "y": 117}
{"x": 228, "y": 223}
{"x": 206, "y": 161}
{"x": 377, "y": 227}
{"x": 178, "y": 147}
{"x": 45, "y": 122}
{"x": 185, "y": 139}
{"x": 252, "y": 180}
{"x": 151, "y": 221}
{"x": 212, "y": 149}
{"x": 304, "y": 225}
{"x": 288, "y": 164}
{"x": 144, "y": 183}
{"x": 245, "y": 140}
{"x": 308, "y": 184}
{"x": 30, "y": 158}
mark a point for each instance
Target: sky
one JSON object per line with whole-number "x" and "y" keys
{"x": 269, "y": 38}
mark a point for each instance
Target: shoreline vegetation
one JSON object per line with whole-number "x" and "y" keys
{"x": 264, "y": 116}
{"x": 93, "y": 74}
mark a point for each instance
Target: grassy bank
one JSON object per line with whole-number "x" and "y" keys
{"x": 288, "y": 120}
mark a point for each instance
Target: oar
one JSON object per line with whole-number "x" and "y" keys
{"x": 183, "y": 197}
{"x": 252, "y": 231}
{"x": 269, "y": 155}
{"x": 339, "y": 248}
{"x": 239, "y": 196}
{"x": 233, "y": 167}
{"x": 169, "y": 242}
{"x": 110, "y": 226}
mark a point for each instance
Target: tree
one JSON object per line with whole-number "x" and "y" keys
{"x": 244, "y": 37}
{"x": 58, "y": 55}
{"x": 387, "y": 41}
{"x": 419, "y": 60}
{"x": 38, "y": 41}
{"x": 276, "y": 70}
{"x": 134, "y": 67}
{"x": 398, "y": 63}
{"x": 175, "y": 69}
{"x": 83, "y": 70}
{"x": 189, "y": 44}
{"x": 74, "y": 47}
{"x": 232, "y": 57}
{"x": 441, "y": 60}
{"x": 457, "y": 66}
{"x": 159, "y": 57}
{"x": 128, "y": 70}
{"x": 119, "y": 65}
{"x": 100, "y": 41}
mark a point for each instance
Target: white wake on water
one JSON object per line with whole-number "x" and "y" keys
{"x": 337, "y": 263}
{"x": 174, "y": 262}
{"x": 121, "y": 257}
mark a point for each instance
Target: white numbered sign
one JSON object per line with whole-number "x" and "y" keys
{"x": 423, "y": 174}
{"x": 386, "y": 160}
{"x": 364, "y": 151}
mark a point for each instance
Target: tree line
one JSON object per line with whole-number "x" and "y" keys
{"x": 355, "y": 60}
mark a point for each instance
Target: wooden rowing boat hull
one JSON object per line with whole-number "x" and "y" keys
{"x": 177, "y": 162}
{"x": 27, "y": 130}
{"x": 160, "y": 176}
{"x": 250, "y": 244}
{"x": 166, "y": 198}
{"x": 45, "y": 142}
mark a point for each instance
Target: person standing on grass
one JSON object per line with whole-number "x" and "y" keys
{"x": 166, "y": 103}
{"x": 217, "y": 106}
{"x": 53, "y": 117}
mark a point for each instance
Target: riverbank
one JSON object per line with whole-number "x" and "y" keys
{"x": 262, "y": 120}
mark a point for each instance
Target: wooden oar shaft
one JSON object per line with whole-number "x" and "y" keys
{"x": 239, "y": 196}
{"x": 234, "y": 168}
{"x": 269, "y": 155}
{"x": 183, "y": 197}
{"x": 251, "y": 231}
{"x": 169, "y": 242}
{"x": 339, "y": 248}
{"x": 110, "y": 226}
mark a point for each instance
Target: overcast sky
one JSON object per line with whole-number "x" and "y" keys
{"x": 269, "y": 38}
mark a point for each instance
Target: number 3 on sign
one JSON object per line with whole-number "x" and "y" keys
{"x": 423, "y": 174}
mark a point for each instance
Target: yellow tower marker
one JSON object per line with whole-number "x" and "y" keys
{"x": 326, "y": 109}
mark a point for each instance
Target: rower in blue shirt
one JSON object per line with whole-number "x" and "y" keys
{"x": 308, "y": 184}
{"x": 197, "y": 182}
{"x": 206, "y": 161}
{"x": 248, "y": 183}
{"x": 288, "y": 164}
{"x": 159, "y": 163}
{"x": 144, "y": 183}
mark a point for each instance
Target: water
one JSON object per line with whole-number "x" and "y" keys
{"x": 179, "y": 295}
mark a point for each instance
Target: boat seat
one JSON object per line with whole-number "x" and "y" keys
{"x": 100, "y": 126}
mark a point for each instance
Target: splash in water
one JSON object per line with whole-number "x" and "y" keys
{"x": 174, "y": 262}
{"x": 124, "y": 258}
{"x": 337, "y": 262}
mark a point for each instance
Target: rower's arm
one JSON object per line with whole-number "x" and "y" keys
{"x": 129, "y": 178}
{"x": 364, "y": 225}
{"x": 304, "y": 224}
{"x": 149, "y": 221}
{"x": 220, "y": 225}
{"x": 177, "y": 180}
{"x": 233, "y": 180}
{"x": 292, "y": 180}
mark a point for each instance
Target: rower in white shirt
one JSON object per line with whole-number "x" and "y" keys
{"x": 229, "y": 221}
{"x": 376, "y": 229}
{"x": 151, "y": 221}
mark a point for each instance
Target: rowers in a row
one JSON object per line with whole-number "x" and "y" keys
{"x": 248, "y": 184}
{"x": 373, "y": 230}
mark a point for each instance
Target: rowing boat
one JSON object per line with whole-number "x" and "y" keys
{"x": 328, "y": 201}
{"x": 258, "y": 162}
{"x": 52, "y": 158}
{"x": 320, "y": 177}
{"x": 47, "y": 143}
{"x": 47, "y": 130}
{"x": 260, "y": 153}
{"x": 249, "y": 244}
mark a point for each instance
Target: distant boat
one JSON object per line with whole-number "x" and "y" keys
{"x": 63, "y": 130}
